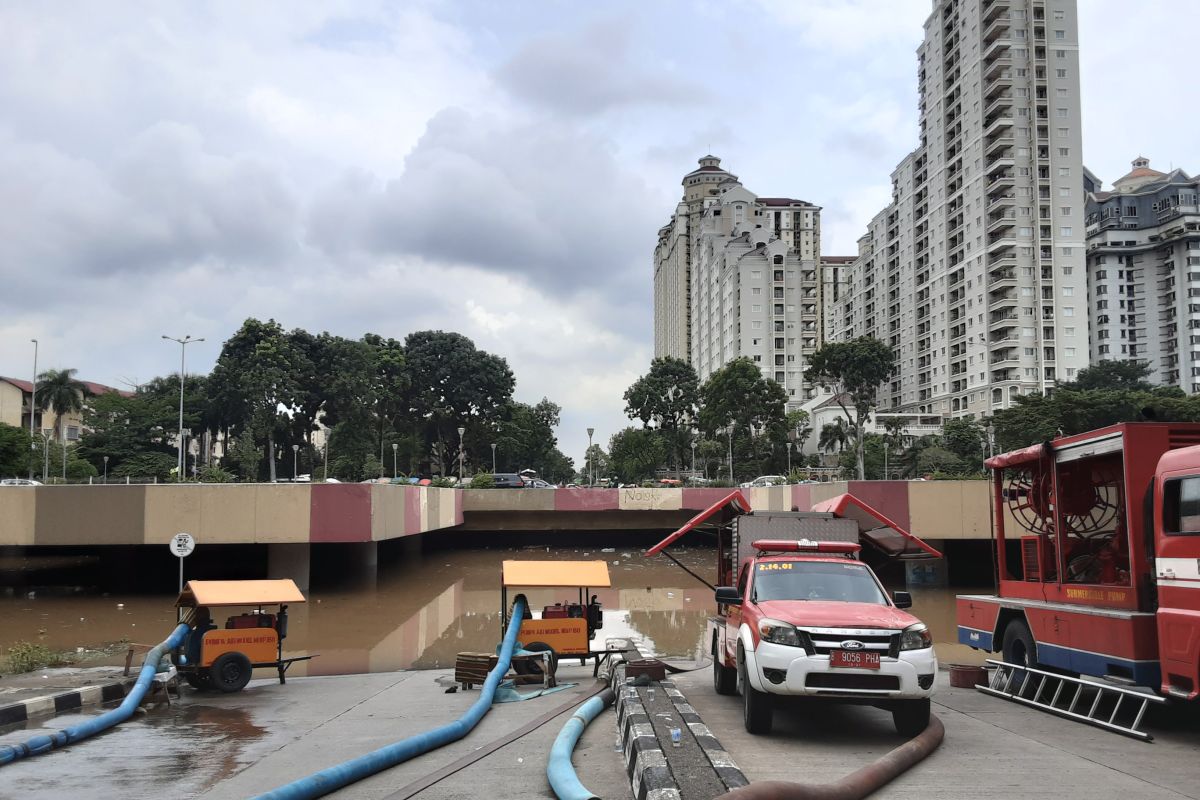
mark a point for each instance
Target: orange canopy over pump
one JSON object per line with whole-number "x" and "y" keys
{"x": 240, "y": 593}
{"x": 592, "y": 574}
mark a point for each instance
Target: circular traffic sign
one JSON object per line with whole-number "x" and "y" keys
{"x": 182, "y": 544}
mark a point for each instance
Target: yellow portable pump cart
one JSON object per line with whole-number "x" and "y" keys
{"x": 565, "y": 629}
{"x": 224, "y": 658}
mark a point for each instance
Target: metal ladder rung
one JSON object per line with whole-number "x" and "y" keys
{"x": 1006, "y": 674}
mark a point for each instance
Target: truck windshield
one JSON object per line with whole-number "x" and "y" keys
{"x": 848, "y": 582}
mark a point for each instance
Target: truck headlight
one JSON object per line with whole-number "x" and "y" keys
{"x": 915, "y": 637}
{"x": 776, "y": 632}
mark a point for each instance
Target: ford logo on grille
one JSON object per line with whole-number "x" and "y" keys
{"x": 852, "y": 644}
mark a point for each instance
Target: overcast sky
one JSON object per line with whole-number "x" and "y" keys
{"x": 499, "y": 169}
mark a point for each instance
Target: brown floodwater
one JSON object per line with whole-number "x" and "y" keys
{"x": 426, "y": 608}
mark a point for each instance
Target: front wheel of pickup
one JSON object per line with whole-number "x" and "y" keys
{"x": 756, "y": 706}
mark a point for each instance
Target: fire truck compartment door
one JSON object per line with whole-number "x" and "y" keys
{"x": 875, "y": 529}
{"x": 721, "y": 512}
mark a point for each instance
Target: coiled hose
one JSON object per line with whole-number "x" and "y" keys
{"x": 46, "y": 742}
{"x": 333, "y": 778}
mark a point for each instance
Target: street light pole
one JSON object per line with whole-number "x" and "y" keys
{"x": 729, "y": 431}
{"x": 183, "y": 343}
{"x": 33, "y": 402}
{"x": 105, "y": 470}
{"x": 395, "y": 447}
{"x": 885, "y": 464}
{"x": 295, "y": 461}
{"x": 461, "y": 431}
{"x": 493, "y": 458}
{"x": 591, "y": 478}
{"x": 693, "y": 459}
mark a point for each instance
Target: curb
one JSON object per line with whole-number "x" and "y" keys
{"x": 650, "y": 774}
{"x": 726, "y": 768}
{"x": 50, "y": 705}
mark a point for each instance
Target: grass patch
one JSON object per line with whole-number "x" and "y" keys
{"x": 29, "y": 656}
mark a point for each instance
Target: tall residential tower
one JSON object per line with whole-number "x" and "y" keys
{"x": 975, "y": 272}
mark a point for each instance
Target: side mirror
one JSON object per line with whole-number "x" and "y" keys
{"x": 902, "y": 599}
{"x": 728, "y": 595}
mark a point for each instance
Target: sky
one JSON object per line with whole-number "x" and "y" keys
{"x": 497, "y": 169}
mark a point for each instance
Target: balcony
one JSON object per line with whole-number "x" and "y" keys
{"x": 1003, "y": 102}
{"x": 1003, "y": 318}
{"x": 1000, "y": 223}
{"x": 993, "y": 9}
{"x": 1002, "y": 299}
{"x": 996, "y": 125}
{"x": 1004, "y": 278}
{"x": 1002, "y": 179}
{"x": 997, "y": 28}
{"x": 996, "y": 67}
{"x": 998, "y": 143}
{"x": 1000, "y": 242}
{"x": 998, "y": 49}
{"x": 1008, "y": 357}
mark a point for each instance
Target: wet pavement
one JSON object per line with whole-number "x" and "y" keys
{"x": 993, "y": 748}
{"x": 216, "y": 746}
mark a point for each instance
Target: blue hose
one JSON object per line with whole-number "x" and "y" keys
{"x": 333, "y": 778}
{"x": 559, "y": 771}
{"x": 47, "y": 742}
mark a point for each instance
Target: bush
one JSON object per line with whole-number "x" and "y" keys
{"x": 483, "y": 480}
{"x": 443, "y": 483}
{"x": 211, "y": 473}
{"x": 28, "y": 656}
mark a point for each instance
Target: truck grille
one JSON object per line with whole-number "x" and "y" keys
{"x": 831, "y": 680}
{"x": 819, "y": 641}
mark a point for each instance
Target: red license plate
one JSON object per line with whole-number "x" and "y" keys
{"x": 860, "y": 659}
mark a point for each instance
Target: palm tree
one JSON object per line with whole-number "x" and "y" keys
{"x": 58, "y": 391}
{"x": 834, "y": 434}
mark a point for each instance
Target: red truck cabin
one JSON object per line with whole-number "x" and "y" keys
{"x": 1081, "y": 556}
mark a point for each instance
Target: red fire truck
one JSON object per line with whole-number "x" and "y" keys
{"x": 1098, "y": 557}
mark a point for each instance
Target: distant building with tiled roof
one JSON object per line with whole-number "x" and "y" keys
{"x": 736, "y": 275}
{"x": 15, "y": 396}
{"x": 1143, "y": 262}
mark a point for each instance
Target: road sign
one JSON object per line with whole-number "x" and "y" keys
{"x": 182, "y": 544}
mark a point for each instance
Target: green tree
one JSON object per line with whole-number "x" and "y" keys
{"x": 853, "y": 370}
{"x": 939, "y": 459}
{"x": 258, "y": 373}
{"x": 15, "y": 451}
{"x": 453, "y": 384}
{"x": 873, "y": 458}
{"x": 667, "y": 398}
{"x": 60, "y": 392}
{"x": 965, "y": 439}
{"x": 635, "y": 453}
{"x": 595, "y": 465}
{"x": 524, "y": 440}
{"x": 738, "y": 395}
{"x": 1109, "y": 375}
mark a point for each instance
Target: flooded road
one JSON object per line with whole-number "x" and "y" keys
{"x": 428, "y": 607}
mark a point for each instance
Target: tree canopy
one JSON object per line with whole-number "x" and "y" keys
{"x": 853, "y": 370}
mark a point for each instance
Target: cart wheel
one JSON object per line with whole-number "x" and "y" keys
{"x": 533, "y": 667}
{"x": 230, "y": 672}
{"x": 198, "y": 680}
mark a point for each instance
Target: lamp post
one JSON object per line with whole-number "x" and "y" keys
{"x": 885, "y": 464}
{"x": 183, "y": 343}
{"x": 45, "y": 456}
{"x": 295, "y": 461}
{"x": 326, "y": 453}
{"x": 591, "y": 478}
{"x": 729, "y": 431}
{"x": 105, "y": 470}
{"x": 461, "y": 432}
{"x": 395, "y": 447}
{"x": 693, "y": 459}
{"x": 788, "y": 444}
{"x": 33, "y": 402}
{"x": 493, "y": 458}
{"x": 64, "y": 445}
{"x": 184, "y": 435}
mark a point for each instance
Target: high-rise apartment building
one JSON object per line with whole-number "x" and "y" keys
{"x": 738, "y": 275}
{"x": 1143, "y": 262}
{"x": 974, "y": 273}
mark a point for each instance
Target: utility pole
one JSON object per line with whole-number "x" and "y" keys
{"x": 183, "y": 343}
{"x": 591, "y": 476}
{"x": 33, "y": 401}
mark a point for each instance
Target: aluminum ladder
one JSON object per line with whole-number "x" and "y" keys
{"x": 1079, "y": 699}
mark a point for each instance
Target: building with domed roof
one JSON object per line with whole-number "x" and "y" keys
{"x": 1143, "y": 262}
{"x": 737, "y": 275}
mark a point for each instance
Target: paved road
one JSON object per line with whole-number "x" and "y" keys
{"x": 993, "y": 749}
{"x": 216, "y": 747}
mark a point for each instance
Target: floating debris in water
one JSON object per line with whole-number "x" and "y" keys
{"x": 608, "y": 549}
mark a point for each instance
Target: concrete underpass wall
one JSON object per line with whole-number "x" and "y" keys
{"x": 222, "y": 513}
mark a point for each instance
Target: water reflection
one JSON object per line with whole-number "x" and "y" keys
{"x": 427, "y": 608}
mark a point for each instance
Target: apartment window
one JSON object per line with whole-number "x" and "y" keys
{"x": 755, "y": 342}
{"x": 1068, "y": 291}
{"x": 756, "y": 274}
{"x": 757, "y": 309}
{"x": 1025, "y": 231}
{"x": 1022, "y": 91}
{"x": 1064, "y": 230}
{"x": 758, "y": 359}
{"x": 1022, "y": 112}
{"x": 779, "y": 377}
{"x": 779, "y": 326}
{"x": 1068, "y": 251}
{"x": 1064, "y": 172}
{"x": 1060, "y": 34}
{"x": 1064, "y": 210}
{"x": 1064, "y": 191}
{"x": 756, "y": 290}
{"x": 779, "y": 308}
{"x": 1068, "y": 331}
{"x": 1061, "y": 113}
{"x": 1068, "y": 311}
{"x": 757, "y": 324}
{"x": 1069, "y": 352}
{"x": 1027, "y": 331}
{"x": 1064, "y": 151}
{"x": 1062, "y": 73}
{"x": 1060, "y": 53}
{"x": 1023, "y": 171}
{"x": 1030, "y": 351}
{"x": 778, "y": 343}
{"x": 1061, "y": 92}
{"x": 1059, "y": 14}
{"x": 1062, "y": 132}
